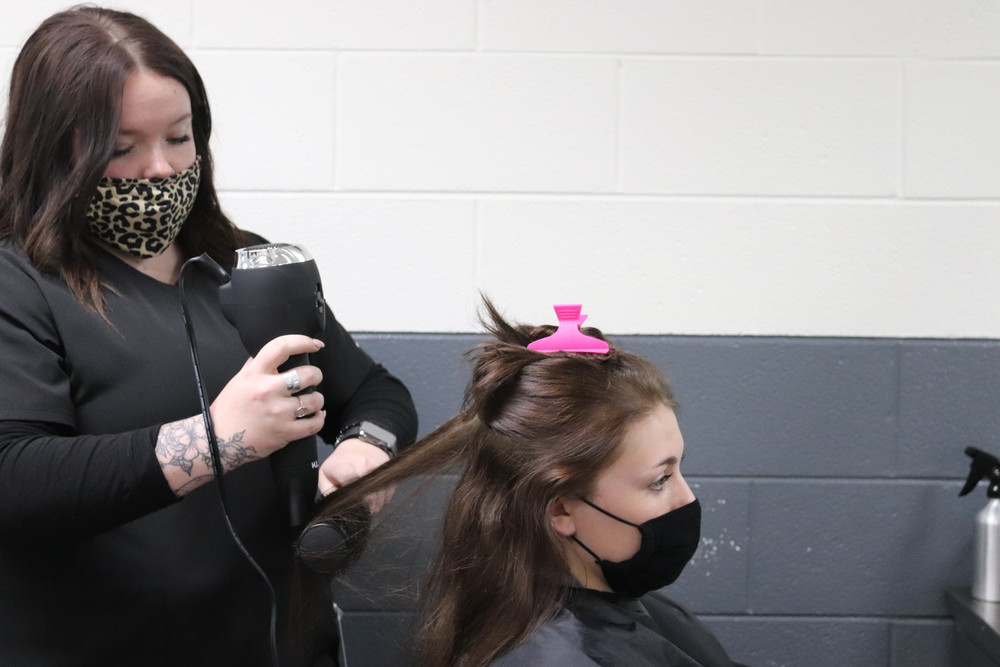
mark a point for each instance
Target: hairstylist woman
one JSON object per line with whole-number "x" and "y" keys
{"x": 113, "y": 546}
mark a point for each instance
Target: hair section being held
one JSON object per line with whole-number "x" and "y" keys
{"x": 534, "y": 427}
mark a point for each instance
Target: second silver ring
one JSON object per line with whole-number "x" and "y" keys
{"x": 302, "y": 410}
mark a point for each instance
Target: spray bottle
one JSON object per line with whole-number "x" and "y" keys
{"x": 986, "y": 575}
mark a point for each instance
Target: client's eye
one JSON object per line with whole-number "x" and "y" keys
{"x": 660, "y": 481}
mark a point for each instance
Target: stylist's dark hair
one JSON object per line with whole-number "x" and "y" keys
{"x": 63, "y": 115}
{"x": 534, "y": 427}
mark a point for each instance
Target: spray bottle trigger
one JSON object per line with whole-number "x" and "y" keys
{"x": 983, "y": 465}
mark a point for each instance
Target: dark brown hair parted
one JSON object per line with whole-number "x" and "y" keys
{"x": 534, "y": 427}
{"x": 63, "y": 113}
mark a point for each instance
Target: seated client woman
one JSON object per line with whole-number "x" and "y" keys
{"x": 571, "y": 510}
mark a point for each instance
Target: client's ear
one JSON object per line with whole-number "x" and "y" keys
{"x": 561, "y": 518}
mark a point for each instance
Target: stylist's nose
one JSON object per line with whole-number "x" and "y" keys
{"x": 157, "y": 166}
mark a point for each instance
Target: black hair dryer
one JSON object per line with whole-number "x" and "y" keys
{"x": 274, "y": 290}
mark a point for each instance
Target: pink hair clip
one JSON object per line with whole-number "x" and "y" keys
{"x": 568, "y": 337}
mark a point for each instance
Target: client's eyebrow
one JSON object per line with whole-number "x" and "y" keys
{"x": 671, "y": 461}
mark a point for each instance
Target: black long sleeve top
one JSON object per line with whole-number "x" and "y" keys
{"x": 99, "y": 562}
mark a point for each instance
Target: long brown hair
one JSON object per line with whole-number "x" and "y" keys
{"x": 533, "y": 427}
{"x": 63, "y": 114}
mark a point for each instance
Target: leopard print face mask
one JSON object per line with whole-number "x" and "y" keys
{"x": 143, "y": 216}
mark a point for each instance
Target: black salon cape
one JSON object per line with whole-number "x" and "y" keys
{"x": 609, "y": 630}
{"x": 99, "y": 563}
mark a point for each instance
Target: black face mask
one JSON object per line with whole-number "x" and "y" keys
{"x": 668, "y": 543}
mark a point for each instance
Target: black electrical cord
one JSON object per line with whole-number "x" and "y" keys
{"x": 213, "y": 445}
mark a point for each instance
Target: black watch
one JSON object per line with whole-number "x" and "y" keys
{"x": 371, "y": 433}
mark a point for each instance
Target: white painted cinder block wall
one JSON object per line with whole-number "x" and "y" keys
{"x": 760, "y": 167}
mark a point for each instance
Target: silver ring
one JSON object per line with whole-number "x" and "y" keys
{"x": 302, "y": 410}
{"x": 292, "y": 382}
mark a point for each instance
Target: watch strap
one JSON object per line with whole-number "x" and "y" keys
{"x": 371, "y": 433}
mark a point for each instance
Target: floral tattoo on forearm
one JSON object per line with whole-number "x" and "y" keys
{"x": 184, "y": 443}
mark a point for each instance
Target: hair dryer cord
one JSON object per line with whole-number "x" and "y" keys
{"x": 214, "y": 269}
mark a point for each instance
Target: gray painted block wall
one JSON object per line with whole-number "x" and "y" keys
{"x": 829, "y": 470}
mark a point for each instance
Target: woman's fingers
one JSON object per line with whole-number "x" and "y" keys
{"x": 278, "y": 351}
{"x": 266, "y": 408}
{"x": 306, "y": 405}
{"x": 351, "y": 460}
